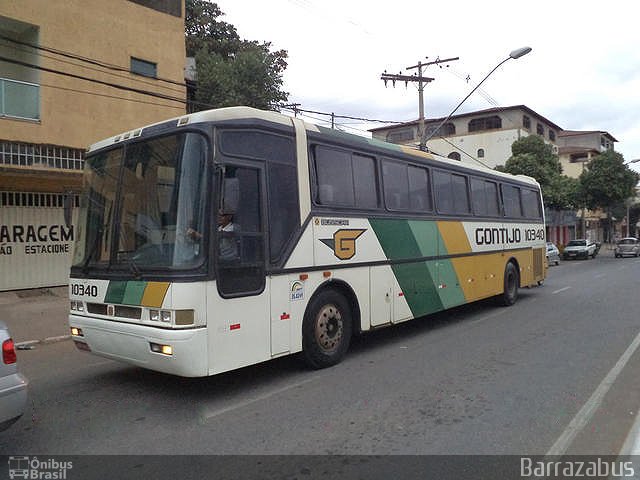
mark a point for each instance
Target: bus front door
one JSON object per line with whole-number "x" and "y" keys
{"x": 240, "y": 310}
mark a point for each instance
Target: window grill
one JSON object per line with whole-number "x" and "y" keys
{"x": 35, "y": 199}
{"x": 43, "y": 156}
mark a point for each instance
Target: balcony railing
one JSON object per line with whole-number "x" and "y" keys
{"x": 19, "y": 99}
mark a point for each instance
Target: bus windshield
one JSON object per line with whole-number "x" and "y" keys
{"x": 143, "y": 206}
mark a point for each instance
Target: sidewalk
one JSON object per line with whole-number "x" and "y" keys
{"x": 37, "y": 315}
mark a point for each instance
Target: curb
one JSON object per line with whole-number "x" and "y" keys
{"x": 29, "y": 343}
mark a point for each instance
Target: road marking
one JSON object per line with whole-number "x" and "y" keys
{"x": 560, "y": 290}
{"x": 600, "y": 275}
{"x": 587, "y": 411}
{"x": 632, "y": 443}
{"x": 27, "y": 343}
{"x": 216, "y": 413}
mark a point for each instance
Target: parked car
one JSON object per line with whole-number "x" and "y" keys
{"x": 13, "y": 385}
{"x": 580, "y": 248}
{"x": 553, "y": 254}
{"x": 627, "y": 246}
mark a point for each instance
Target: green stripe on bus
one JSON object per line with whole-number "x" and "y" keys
{"x": 125, "y": 292}
{"x": 396, "y": 238}
{"x": 115, "y": 291}
{"x": 427, "y": 286}
{"x": 133, "y": 293}
{"x": 420, "y": 291}
{"x": 427, "y": 237}
{"x": 451, "y": 293}
{"x": 416, "y": 280}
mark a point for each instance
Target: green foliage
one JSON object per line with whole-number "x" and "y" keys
{"x": 607, "y": 181}
{"x": 532, "y": 157}
{"x": 203, "y": 30}
{"x": 231, "y": 71}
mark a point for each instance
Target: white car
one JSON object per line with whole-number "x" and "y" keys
{"x": 627, "y": 246}
{"x": 553, "y": 254}
{"x": 580, "y": 248}
{"x": 13, "y": 385}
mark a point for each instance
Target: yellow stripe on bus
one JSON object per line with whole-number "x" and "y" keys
{"x": 480, "y": 276}
{"x": 454, "y": 237}
{"x": 154, "y": 294}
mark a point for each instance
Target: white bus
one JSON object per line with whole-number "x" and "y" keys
{"x": 326, "y": 235}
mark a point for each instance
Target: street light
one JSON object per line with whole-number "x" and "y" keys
{"x": 517, "y": 53}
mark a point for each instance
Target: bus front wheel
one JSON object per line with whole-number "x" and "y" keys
{"x": 511, "y": 281}
{"x": 326, "y": 329}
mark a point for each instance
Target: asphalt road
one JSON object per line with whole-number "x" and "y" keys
{"x": 541, "y": 375}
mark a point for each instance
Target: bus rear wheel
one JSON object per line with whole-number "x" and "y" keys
{"x": 326, "y": 329}
{"x": 511, "y": 280}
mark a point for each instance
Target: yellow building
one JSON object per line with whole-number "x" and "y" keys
{"x": 73, "y": 72}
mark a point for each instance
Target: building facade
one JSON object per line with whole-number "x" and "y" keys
{"x": 576, "y": 148}
{"x": 72, "y": 73}
{"x": 484, "y": 136}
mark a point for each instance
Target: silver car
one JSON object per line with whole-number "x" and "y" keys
{"x": 13, "y": 385}
{"x": 553, "y": 254}
{"x": 627, "y": 246}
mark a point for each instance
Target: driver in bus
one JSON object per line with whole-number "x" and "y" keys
{"x": 228, "y": 246}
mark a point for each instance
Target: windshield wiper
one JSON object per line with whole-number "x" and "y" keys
{"x": 127, "y": 255}
{"x": 134, "y": 268}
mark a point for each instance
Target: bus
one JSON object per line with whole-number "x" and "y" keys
{"x": 324, "y": 235}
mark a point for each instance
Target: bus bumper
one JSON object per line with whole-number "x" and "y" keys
{"x": 138, "y": 345}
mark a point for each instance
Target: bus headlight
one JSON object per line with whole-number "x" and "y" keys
{"x": 77, "y": 306}
{"x": 160, "y": 316}
{"x": 180, "y": 318}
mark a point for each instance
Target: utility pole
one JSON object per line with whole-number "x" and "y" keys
{"x": 386, "y": 77}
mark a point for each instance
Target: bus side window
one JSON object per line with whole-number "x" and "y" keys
{"x": 512, "y": 203}
{"x": 240, "y": 245}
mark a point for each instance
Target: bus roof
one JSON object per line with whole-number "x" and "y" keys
{"x": 244, "y": 113}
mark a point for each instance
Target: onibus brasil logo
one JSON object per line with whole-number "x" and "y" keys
{"x": 343, "y": 242}
{"x": 37, "y": 469}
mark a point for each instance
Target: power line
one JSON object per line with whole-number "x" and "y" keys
{"x": 108, "y": 66}
{"x": 386, "y": 77}
{"x": 347, "y": 117}
{"x": 467, "y": 154}
{"x": 109, "y": 96}
{"x": 164, "y": 96}
{"x": 82, "y": 58}
{"x": 93, "y": 80}
{"x": 128, "y": 77}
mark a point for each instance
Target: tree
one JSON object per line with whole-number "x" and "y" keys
{"x": 231, "y": 71}
{"x": 607, "y": 181}
{"x": 532, "y": 157}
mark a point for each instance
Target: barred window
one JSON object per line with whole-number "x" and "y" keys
{"x": 35, "y": 199}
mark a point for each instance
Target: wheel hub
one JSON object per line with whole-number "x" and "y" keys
{"x": 329, "y": 328}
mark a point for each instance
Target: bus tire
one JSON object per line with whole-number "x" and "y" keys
{"x": 511, "y": 281}
{"x": 326, "y": 329}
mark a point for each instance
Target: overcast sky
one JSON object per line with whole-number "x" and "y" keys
{"x": 583, "y": 72}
